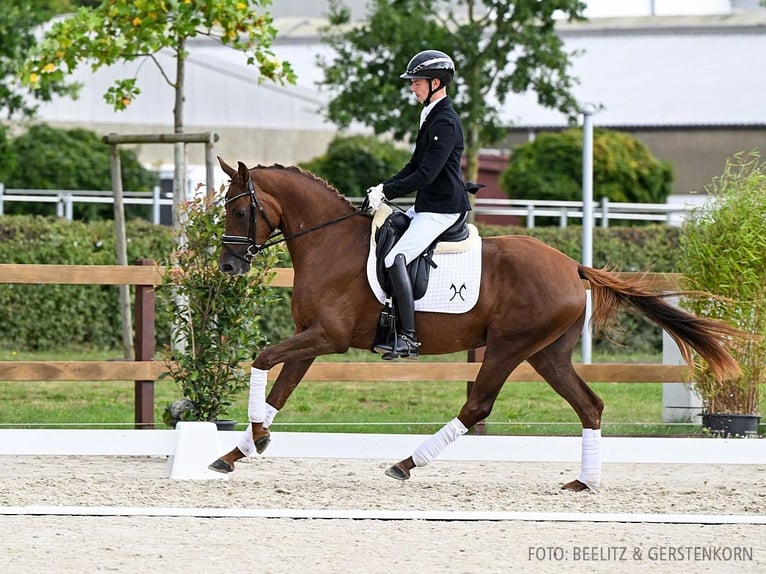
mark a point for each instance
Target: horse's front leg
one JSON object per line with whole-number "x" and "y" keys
{"x": 301, "y": 349}
{"x": 257, "y": 437}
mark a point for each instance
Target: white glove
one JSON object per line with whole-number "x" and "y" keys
{"x": 375, "y": 197}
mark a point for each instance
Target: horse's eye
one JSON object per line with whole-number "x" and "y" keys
{"x": 240, "y": 213}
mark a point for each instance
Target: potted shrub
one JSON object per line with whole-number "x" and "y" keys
{"x": 215, "y": 333}
{"x": 722, "y": 251}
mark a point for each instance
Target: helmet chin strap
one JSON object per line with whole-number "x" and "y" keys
{"x": 431, "y": 92}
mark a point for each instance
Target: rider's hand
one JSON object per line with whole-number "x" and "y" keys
{"x": 375, "y": 197}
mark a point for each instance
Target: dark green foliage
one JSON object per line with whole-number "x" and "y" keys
{"x": 71, "y": 159}
{"x": 7, "y": 157}
{"x": 352, "y": 164}
{"x": 550, "y": 168}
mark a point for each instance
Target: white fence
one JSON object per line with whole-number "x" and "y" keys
{"x": 529, "y": 209}
{"x": 606, "y": 211}
{"x": 64, "y": 200}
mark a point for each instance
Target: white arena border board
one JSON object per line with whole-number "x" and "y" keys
{"x": 68, "y": 442}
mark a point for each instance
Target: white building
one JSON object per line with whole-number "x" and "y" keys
{"x": 690, "y": 86}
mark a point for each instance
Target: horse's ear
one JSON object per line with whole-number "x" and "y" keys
{"x": 230, "y": 171}
{"x": 242, "y": 171}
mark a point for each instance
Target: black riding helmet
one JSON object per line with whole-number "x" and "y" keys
{"x": 430, "y": 64}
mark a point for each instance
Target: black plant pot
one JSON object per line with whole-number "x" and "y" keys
{"x": 226, "y": 424}
{"x": 735, "y": 425}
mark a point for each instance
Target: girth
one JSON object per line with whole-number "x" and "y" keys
{"x": 420, "y": 269}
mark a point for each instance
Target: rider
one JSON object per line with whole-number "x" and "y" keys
{"x": 433, "y": 173}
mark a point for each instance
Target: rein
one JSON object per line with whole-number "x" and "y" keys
{"x": 254, "y": 248}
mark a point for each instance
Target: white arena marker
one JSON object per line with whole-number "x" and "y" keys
{"x": 196, "y": 447}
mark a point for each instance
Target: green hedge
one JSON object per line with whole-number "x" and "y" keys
{"x": 550, "y": 167}
{"x": 50, "y": 317}
{"x": 59, "y": 317}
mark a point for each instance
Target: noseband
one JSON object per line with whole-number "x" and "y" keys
{"x": 275, "y": 236}
{"x": 253, "y": 248}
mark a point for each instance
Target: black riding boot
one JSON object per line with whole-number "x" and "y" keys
{"x": 406, "y": 344}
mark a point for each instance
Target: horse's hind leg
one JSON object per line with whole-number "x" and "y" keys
{"x": 554, "y": 364}
{"x": 493, "y": 373}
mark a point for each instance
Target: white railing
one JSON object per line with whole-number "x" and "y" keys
{"x": 605, "y": 212}
{"x": 529, "y": 209}
{"x": 65, "y": 199}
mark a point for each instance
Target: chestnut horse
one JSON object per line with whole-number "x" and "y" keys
{"x": 531, "y": 307}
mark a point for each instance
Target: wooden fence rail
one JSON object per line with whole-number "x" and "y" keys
{"x": 144, "y": 371}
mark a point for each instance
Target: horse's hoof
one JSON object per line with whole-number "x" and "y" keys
{"x": 397, "y": 472}
{"x": 262, "y": 443}
{"x": 575, "y": 486}
{"x": 221, "y": 466}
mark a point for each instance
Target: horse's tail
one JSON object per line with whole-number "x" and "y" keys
{"x": 712, "y": 339}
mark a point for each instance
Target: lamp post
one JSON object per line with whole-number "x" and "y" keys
{"x": 587, "y": 218}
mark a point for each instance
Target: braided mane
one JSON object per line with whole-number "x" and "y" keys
{"x": 305, "y": 173}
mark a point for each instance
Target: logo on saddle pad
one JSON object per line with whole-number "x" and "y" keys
{"x": 457, "y": 292}
{"x": 453, "y": 279}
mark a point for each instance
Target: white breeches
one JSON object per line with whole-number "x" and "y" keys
{"x": 424, "y": 228}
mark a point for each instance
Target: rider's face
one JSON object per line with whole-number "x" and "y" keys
{"x": 419, "y": 87}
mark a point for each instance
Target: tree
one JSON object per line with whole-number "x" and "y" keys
{"x": 116, "y": 31}
{"x": 354, "y": 163}
{"x": 550, "y": 167}
{"x": 499, "y": 47}
{"x": 73, "y": 159}
{"x": 18, "y": 21}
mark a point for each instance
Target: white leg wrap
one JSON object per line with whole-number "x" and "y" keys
{"x": 431, "y": 448}
{"x": 246, "y": 445}
{"x": 256, "y": 405}
{"x": 271, "y": 412}
{"x": 590, "y": 472}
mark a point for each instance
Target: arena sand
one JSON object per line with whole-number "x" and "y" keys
{"x": 51, "y": 543}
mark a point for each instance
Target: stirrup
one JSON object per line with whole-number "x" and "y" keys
{"x": 407, "y": 346}
{"x": 383, "y": 348}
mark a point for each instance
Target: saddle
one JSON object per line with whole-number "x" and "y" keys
{"x": 419, "y": 269}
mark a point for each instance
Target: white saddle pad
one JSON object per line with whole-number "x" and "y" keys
{"x": 453, "y": 286}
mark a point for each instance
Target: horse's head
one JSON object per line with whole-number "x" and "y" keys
{"x": 250, "y": 220}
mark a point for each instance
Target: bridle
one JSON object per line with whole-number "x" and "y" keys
{"x": 276, "y": 235}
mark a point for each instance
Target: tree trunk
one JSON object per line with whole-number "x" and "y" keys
{"x": 179, "y": 149}
{"x": 472, "y": 154}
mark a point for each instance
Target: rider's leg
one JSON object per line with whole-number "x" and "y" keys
{"x": 406, "y": 344}
{"x": 424, "y": 228}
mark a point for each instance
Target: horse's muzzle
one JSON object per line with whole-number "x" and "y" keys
{"x": 233, "y": 266}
